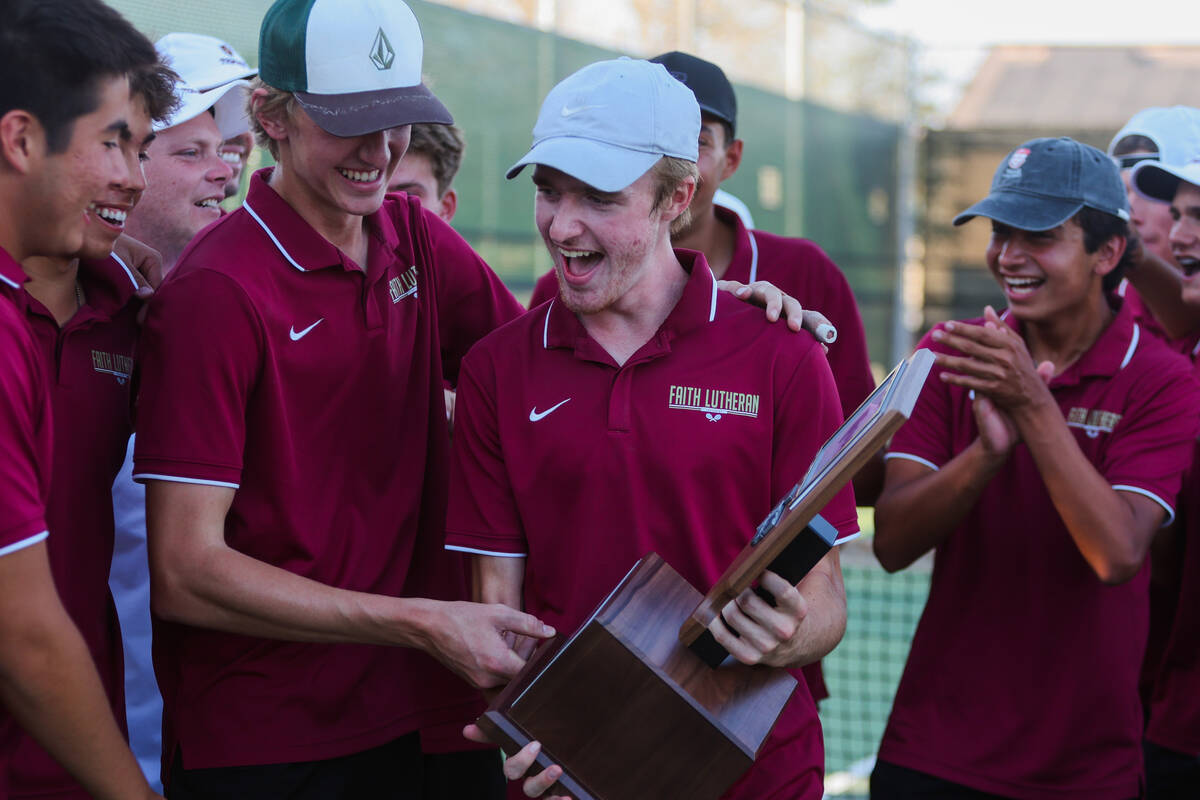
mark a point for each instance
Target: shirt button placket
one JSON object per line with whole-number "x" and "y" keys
{"x": 620, "y": 411}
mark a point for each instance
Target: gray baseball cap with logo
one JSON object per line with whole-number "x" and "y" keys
{"x": 608, "y": 123}
{"x": 353, "y": 65}
{"x": 1044, "y": 182}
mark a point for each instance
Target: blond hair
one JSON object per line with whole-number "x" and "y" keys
{"x": 277, "y": 102}
{"x": 669, "y": 172}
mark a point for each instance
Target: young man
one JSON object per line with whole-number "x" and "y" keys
{"x": 292, "y": 436}
{"x": 83, "y": 312}
{"x": 1172, "y": 746}
{"x": 427, "y": 170}
{"x": 72, "y": 122}
{"x": 186, "y": 177}
{"x": 797, "y": 266}
{"x": 1154, "y": 134}
{"x": 582, "y": 441}
{"x": 210, "y": 66}
{"x": 1039, "y": 465}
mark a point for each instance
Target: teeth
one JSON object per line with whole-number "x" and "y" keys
{"x": 1189, "y": 265}
{"x": 116, "y": 216}
{"x": 577, "y": 253}
{"x": 231, "y": 158}
{"x": 1022, "y": 283}
{"x": 209, "y": 202}
{"x": 362, "y": 177}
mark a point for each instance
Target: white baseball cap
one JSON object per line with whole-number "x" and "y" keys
{"x": 1176, "y": 131}
{"x": 211, "y": 75}
{"x": 608, "y": 123}
{"x": 1170, "y": 129}
{"x": 353, "y": 65}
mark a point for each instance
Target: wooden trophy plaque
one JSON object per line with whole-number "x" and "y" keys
{"x": 641, "y": 701}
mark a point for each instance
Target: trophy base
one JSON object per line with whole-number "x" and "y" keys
{"x": 628, "y": 711}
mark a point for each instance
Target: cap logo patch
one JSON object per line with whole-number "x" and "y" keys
{"x": 382, "y": 54}
{"x": 1015, "y": 162}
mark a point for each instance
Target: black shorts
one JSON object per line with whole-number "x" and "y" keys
{"x": 892, "y": 782}
{"x": 1170, "y": 775}
{"x": 394, "y": 771}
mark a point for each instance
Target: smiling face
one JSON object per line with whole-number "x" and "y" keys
{"x": 601, "y": 242}
{"x": 328, "y": 178}
{"x": 60, "y": 194}
{"x": 107, "y": 214}
{"x": 1185, "y": 238}
{"x": 1047, "y": 274}
{"x": 185, "y": 183}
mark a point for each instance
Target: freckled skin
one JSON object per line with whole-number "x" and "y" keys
{"x": 619, "y": 225}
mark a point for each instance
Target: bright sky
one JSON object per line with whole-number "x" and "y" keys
{"x": 954, "y": 33}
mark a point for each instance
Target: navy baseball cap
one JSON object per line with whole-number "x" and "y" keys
{"x": 707, "y": 81}
{"x": 1044, "y": 182}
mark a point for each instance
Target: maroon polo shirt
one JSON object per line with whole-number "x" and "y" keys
{"x": 87, "y": 363}
{"x": 1188, "y": 345}
{"x": 801, "y": 269}
{"x": 582, "y": 466}
{"x": 25, "y": 441}
{"x": 1022, "y": 678}
{"x": 273, "y": 365}
{"x": 1174, "y": 707}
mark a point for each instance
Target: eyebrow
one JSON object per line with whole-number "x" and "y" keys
{"x": 149, "y": 138}
{"x": 121, "y": 128}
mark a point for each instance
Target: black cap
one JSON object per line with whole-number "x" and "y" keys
{"x": 707, "y": 81}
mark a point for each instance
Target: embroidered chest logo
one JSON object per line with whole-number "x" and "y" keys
{"x": 115, "y": 364}
{"x": 713, "y": 403}
{"x": 1093, "y": 421}
{"x": 404, "y": 285}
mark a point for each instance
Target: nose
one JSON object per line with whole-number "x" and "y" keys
{"x": 1182, "y": 232}
{"x": 133, "y": 177}
{"x": 564, "y": 223}
{"x": 219, "y": 171}
{"x": 1010, "y": 254}
{"x": 373, "y": 147}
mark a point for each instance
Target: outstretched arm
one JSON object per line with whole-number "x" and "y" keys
{"x": 198, "y": 579}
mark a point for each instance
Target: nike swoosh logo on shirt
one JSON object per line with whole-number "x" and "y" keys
{"x": 535, "y": 415}
{"x": 298, "y": 336}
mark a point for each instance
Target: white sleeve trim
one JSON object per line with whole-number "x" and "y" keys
{"x": 473, "y": 551}
{"x": 847, "y": 538}
{"x": 910, "y": 457}
{"x": 21, "y": 545}
{"x": 1120, "y": 487}
{"x": 142, "y": 477}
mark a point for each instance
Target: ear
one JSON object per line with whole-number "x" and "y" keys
{"x": 22, "y": 140}
{"x": 1108, "y": 255}
{"x": 733, "y": 159}
{"x": 272, "y": 124}
{"x": 680, "y": 199}
{"x": 449, "y": 203}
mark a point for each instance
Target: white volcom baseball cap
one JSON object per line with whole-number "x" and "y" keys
{"x": 353, "y": 65}
{"x": 611, "y": 121}
{"x": 211, "y": 75}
